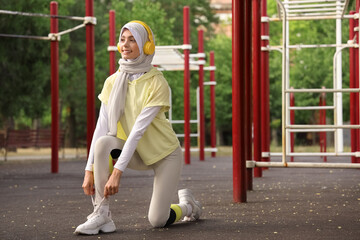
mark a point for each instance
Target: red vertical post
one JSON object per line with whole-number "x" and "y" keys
{"x": 238, "y": 103}
{"x": 265, "y": 92}
{"x": 352, "y": 76}
{"x": 292, "y": 121}
{"x": 186, "y": 36}
{"x": 54, "y": 56}
{"x": 256, "y": 62}
{"x": 212, "y": 104}
{"x": 357, "y": 85}
{"x": 322, "y": 117}
{"x": 248, "y": 90}
{"x": 201, "y": 93}
{"x": 112, "y": 41}
{"x": 90, "y": 72}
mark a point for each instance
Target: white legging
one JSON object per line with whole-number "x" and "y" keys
{"x": 166, "y": 177}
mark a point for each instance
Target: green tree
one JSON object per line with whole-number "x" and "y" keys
{"x": 23, "y": 63}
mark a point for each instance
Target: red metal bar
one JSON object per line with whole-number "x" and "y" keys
{"x": 201, "y": 100}
{"x": 212, "y": 103}
{"x": 352, "y": 76}
{"x": 265, "y": 92}
{"x": 238, "y": 105}
{"x": 322, "y": 118}
{"x": 292, "y": 121}
{"x": 186, "y": 36}
{"x": 256, "y": 62}
{"x": 112, "y": 41}
{"x": 357, "y": 85}
{"x": 54, "y": 58}
{"x": 90, "y": 73}
{"x": 248, "y": 90}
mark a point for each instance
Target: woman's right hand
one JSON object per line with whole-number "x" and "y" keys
{"x": 88, "y": 184}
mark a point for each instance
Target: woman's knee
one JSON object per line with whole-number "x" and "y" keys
{"x": 104, "y": 141}
{"x": 157, "y": 221}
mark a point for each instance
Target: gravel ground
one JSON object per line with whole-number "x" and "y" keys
{"x": 284, "y": 203}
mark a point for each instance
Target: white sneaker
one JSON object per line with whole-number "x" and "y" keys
{"x": 97, "y": 221}
{"x": 186, "y": 197}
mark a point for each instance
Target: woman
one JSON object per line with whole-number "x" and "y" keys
{"x": 133, "y": 128}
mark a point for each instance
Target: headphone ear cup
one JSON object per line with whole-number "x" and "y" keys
{"x": 118, "y": 48}
{"x": 149, "y": 48}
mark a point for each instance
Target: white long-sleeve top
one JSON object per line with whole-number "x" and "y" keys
{"x": 141, "y": 124}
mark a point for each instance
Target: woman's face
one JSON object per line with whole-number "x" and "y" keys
{"x": 128, "y": 46}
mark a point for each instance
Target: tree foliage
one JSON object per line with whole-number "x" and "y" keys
{"x": 25, "y": 64}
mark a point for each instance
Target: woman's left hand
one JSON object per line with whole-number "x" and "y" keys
{"x": 112, "y": 185}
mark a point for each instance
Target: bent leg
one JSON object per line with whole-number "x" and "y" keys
{"x": 103, "y": 147}
{"x": 166, "y": 179}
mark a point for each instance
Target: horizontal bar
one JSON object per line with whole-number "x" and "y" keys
{"x": 191, "y": 135}
{"x": 24, "y": 36}
{"x": 305, "y": 165}
{"x": 209, "y": 83}
{"x": 300, "y": 46}
{"x": 205, "y": 149}
{"x": 322, "y": 90}
{"x": 210, "y": 68}
{"x": 311, "y": 108}
{"x": 210, "y": 149}
{"x": 184, "y": 46}
{"x": 276, "y": 19}
{"x": 312, "y": 130}
{"x": 198, "y": 55}
{"x": 41, "y": 15}
{"x": 308, "y": 1}
{"x": 318, "y": 10}
{"x": 300, "y": 126}
{"x": 313, "y": 6}
{"x": 313, "y": 154}
{"x": 182, "y": 121}
{"x": 112, "y": 49}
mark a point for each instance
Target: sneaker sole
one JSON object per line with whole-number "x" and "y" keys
{"x": 106, "y": 228}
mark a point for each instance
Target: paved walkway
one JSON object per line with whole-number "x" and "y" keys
{"x": 285, "y": 203}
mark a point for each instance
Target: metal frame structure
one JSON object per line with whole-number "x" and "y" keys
{"x": 313, "y": 10}
{"x": 54, "y": 37}
{"x": 289, "y": 10}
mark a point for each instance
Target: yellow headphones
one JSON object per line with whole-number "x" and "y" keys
{"x": 149, "y": 46}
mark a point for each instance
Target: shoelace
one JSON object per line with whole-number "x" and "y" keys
{"x": 96, "y": 207}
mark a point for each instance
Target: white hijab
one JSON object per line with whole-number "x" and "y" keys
{"x": 141, "y": 64}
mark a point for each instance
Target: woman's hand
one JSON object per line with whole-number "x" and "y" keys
{"x": 88, "y": 184}
{"x": 112, "y": 185}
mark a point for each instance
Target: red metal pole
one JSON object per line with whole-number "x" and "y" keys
{"x": 357, "y": 85}
{"x": 248, "y": 90}
{"x": 265, "y": 92}
{"x": 238, "y": 105}
{"x": 292, "y": 121}
{"x": 352, "y": 76}
{"x": 322, "y": 118}
{"x": 112, "y": 41}
{"x": 201, "y": 93}
{"x": 90, "y": 72}
{"x": 186, "y": 32}
{"x": 54, "y": 58}
{"x": 256, "y": 62}
{"x": 212, "y": 103}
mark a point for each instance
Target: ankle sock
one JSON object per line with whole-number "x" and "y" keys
{"x": 186, "y": 209}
